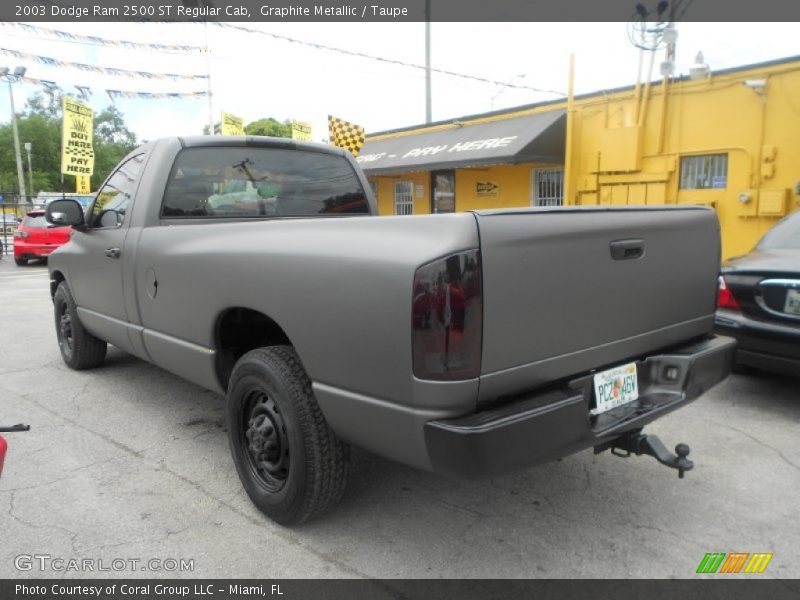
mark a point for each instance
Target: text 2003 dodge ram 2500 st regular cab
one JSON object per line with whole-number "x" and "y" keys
{"x": 470, "y": 344}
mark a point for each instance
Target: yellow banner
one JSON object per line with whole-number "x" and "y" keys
{"x": 77, "y": 153}
{"x": 301, "y": 131}
{"x": 232, "y": 125}
{"x": 83, "y": 184}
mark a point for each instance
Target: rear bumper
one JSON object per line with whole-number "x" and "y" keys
{"x": 772, "y": 346}
{"x": 25, "y": 250}
{"x": 542, "y": 426}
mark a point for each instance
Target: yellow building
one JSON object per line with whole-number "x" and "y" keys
{"x": 728, "y": 139}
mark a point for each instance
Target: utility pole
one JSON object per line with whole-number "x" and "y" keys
{"x": 428, "y": 109}
{"x": 208, "y": 82}
{"x": 11, "y": 78}
{"x": 28, "y": 147}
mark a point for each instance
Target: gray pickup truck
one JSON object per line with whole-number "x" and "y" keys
{"x": 469, "y": 344}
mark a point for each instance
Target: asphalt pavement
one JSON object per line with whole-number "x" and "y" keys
{"x": 129, "y": 463}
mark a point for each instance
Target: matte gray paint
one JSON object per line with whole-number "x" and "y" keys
{"x": 341, "y": 289}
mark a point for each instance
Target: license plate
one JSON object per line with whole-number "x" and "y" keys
{"x": 792, "y": 305}
{"x": 615, "y": 387}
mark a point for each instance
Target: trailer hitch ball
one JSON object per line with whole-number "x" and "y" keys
{"x": 683, "y": 464}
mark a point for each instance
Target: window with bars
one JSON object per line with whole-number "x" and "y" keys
{"x": 548, "y": 187}
{"x": 709, "y": 171}
{"x": 403, "y": 198}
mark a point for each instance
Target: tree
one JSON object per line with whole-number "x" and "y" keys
{"x": 269, "y": 126}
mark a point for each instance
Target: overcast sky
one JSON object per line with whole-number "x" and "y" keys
{"x": 255, "y": 76}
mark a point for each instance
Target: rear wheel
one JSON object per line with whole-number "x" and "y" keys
{"x": 289, "y": 461}
{"x": 21, "y": 262}
{"x": 79, "y": 348}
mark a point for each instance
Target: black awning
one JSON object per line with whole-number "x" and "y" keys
{"x": 533, "y": 138}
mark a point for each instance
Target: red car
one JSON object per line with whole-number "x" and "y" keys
{"x": 34, "y": 238}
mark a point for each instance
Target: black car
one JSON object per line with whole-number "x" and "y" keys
{"x": 759, "y": 300}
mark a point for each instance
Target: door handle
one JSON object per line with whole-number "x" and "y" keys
{"x": 627, "y": 249}
{"x": 113, "y": 252}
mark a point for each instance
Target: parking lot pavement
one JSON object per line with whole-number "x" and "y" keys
{"x": 129, "y": 461}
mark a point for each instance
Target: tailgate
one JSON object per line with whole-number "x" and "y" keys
{"x": 568, "y": 290}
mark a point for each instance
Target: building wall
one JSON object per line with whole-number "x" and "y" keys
{"x": 622, "y": 154}
{"x": 513, "y": 188}
{"x": 616, "y": 160}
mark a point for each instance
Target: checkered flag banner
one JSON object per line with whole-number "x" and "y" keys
{"x": 345, "y": 134}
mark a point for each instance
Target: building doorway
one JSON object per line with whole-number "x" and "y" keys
{"x": 443, "y": 191}
{"x": 547, "y": 187}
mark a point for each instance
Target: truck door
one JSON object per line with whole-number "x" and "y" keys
{"x": 98, "y": 285}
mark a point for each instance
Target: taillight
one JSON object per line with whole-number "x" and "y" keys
{"x": 725, "y": 298}
{"x": 20, "y": 234}
{"x": 447, "y": 318}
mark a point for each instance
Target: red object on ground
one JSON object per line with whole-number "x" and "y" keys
{"x": 34, "y": 238}
{"x": 3, "y": 447}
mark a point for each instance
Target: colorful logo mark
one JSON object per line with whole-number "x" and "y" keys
{"x": 734, "y": 562}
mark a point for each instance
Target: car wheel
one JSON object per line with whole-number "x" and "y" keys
{"x": 21, "y": 262}
{"x": 79, "y": 348}
{"x": 291, "y": 464}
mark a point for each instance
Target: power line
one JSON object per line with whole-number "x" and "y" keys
{"x": 382, "y": 59}
{"x": 58, "y": 35}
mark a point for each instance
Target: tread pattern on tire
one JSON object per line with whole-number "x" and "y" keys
{"x": 327, "y": 458}
{"x": 88, "y": 351}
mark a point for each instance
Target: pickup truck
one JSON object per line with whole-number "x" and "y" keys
{"x": 469, "y": 344}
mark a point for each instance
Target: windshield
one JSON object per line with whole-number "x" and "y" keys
{"x": 784, "y": 236}
{"x": 35, "y": 222}
{"x": 258, "y": 182}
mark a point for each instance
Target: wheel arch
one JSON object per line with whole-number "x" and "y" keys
{"x": 56, "y": 277}
{"x": 238, "y": 330}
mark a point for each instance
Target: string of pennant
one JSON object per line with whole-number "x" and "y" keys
{"x": 54, "y": 62}
{"x": 85, "y": 91}
{"x": 91, "y": 39}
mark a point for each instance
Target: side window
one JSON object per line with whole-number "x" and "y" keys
{"x": 115, "y": 197}
{"x": 704, "y": 172}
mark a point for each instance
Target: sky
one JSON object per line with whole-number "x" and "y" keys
{"x": 255, "y": 76}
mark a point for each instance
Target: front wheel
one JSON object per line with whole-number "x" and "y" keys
{"x": 291, "y": 464}
{"x": 79, "y": 348}
{"x": 21, "y": 262}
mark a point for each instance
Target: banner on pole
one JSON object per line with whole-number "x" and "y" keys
{"x": 301, "y": 131}
{"x": 232, "y": 125}
{"x": 345, "y": 134}
{"x": 83, "y": 184}
{"x": 77, "y": 153}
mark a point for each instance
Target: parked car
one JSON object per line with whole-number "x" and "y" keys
{"x": 469, "y": 344}
{"x": 36, "y": 238}
{"x": 759, "y": 300}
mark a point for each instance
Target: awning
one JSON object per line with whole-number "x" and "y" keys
{"x": 533, "y": 138}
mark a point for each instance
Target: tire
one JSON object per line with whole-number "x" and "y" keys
{"x": 21, "y": 262}
{"x": 79, "y": 348}
{"x": 291, "y": 464}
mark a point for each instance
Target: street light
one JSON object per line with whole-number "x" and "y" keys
{"x": 8, "y": 76}
{"x": 28, "y": 147}
{"x": 504, "y": 87}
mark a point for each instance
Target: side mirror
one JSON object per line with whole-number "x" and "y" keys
{"x": 64, "y": 212}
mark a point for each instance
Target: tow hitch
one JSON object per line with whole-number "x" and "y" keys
{"x": 638, "y": 443}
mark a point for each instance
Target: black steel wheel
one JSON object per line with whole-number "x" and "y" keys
{"x": 291, "y": 464}
{"x": 79, "y": 348}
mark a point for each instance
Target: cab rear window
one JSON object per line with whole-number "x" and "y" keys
{"x": 238, "y": 182}
{"x": 34, "y": 222}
